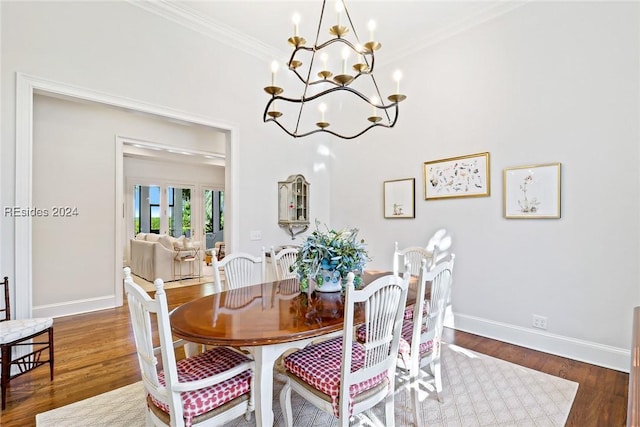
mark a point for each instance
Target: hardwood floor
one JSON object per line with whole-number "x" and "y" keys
{"x": 95, "y": 353}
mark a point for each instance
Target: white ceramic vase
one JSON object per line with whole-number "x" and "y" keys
{"x": 331, "y": 281}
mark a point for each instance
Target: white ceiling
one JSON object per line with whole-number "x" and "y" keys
{"x": 262, "y": 26}
{"x": 152, "y": 151}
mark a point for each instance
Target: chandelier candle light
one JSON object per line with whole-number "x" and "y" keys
{"x": 329, "y": 90}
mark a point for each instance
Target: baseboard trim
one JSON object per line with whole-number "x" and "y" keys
{"x": 69, "y": 308}
{"x": 572, "y": 348}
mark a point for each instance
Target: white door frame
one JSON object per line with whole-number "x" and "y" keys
{"x": 26, "y": 87}
{"x": 201, "y": 189}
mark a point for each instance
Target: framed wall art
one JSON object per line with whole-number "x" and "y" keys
{"x": 399, "y": 198}
{"x": 464, "y": 176}
{"x": 532, "y": 191}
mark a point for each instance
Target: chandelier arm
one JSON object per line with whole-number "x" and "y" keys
{"x": 291, "y": 59}
{"x": 375, "y": 84}
{"x": 395, "y": 118}
{"x": 281, "y": 127}
{"x": 351, "y": 45}
{"x": 316, "y": 49}
{"x": 295, "y": 135}
{"x": 305, "y": 99}
{"x": 364, "y": 130}
{"x": 266, "y": 109}
{"x": 372, "y": 65}
{"x": 326, "y": 130}
{"x": 317, "y": 82}
{"x": 334, "y": 40}
{"x": 320, "y": 81}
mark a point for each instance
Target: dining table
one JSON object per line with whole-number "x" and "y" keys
{"x": 266, "y": 320}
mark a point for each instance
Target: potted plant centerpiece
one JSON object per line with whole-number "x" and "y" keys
{"x": 328, "y": 256}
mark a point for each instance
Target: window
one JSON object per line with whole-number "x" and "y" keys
{"x": 214, "y": 210}
{"x": 149, "y": 211}
{"x": 146, "y": 209}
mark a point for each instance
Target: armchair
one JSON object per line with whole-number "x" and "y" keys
{"x": 158, "y": 256}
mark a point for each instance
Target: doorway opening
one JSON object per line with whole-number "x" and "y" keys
{"x": 27, "y": 88}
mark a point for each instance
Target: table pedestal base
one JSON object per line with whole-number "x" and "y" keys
{"x": 265, "y": 357}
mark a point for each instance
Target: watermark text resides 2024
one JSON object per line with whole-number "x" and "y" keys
{"x": 54, "y": 211}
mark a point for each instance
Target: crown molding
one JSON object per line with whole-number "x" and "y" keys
{"x": 210, "y": 27}
{"x": 481, "y": 16}
{"x": 230, "y": 36}
{"x": 139, "y": 148}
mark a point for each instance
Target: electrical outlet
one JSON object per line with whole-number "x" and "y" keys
{"x": 539, "y": 322}
{"x": 256, "y": 235}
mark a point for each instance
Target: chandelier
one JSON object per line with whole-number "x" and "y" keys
{"x": 328, "y": 88}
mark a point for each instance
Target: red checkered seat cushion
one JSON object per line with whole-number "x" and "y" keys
{"x": 404, "y": 348}
{"x": 319, "y": 366}
{"x": 406, "y": 338}
{"x": 211, "y": 362}
{"x": 408, "y": 312}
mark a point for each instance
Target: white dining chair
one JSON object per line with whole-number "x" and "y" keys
{"x": 209, "y": 389}
{"x": 282, "y": 262}
{"x": 412, "y": 255}
{"x": 420, "y": 345}
{"x": 240, "y": 269}
{"x": 344, "y": 376}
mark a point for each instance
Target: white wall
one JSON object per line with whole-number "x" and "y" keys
{"x": 548, "y": 82}
{"x": 74, "y": 160}
{"x": 177, "y": 172}
{"x": 126, "y": 52}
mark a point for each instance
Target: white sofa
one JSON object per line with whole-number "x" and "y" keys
{"x": 156, "y": 256}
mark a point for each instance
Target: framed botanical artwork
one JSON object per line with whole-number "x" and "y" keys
{"x": 399, "y": 197}
{"x": 464, "y": 176}
{"x": 532, "y": 191}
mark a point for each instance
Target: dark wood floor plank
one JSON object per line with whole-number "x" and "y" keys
{"x": 95, "y": 354}
{"x": 601, "y": 400}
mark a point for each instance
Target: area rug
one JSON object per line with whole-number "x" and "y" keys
{"x": 479, "y": 390}
{"x": 207, "y": 277}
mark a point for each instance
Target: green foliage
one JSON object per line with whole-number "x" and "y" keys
{"x": 208, "y": 205}
{"x": 186, "y": 210}
{"x": 208, "y": 211}
{"x": 330, "y": 250}
{"x": 222, "y": 210}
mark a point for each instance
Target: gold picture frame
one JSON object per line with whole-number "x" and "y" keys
{"x": 399, "y": 198}
{"x": 532, "y": 191}
{"x": 463, "y": 176}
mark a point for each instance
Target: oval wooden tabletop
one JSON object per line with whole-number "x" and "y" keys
{"x": 266, "y": 313}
